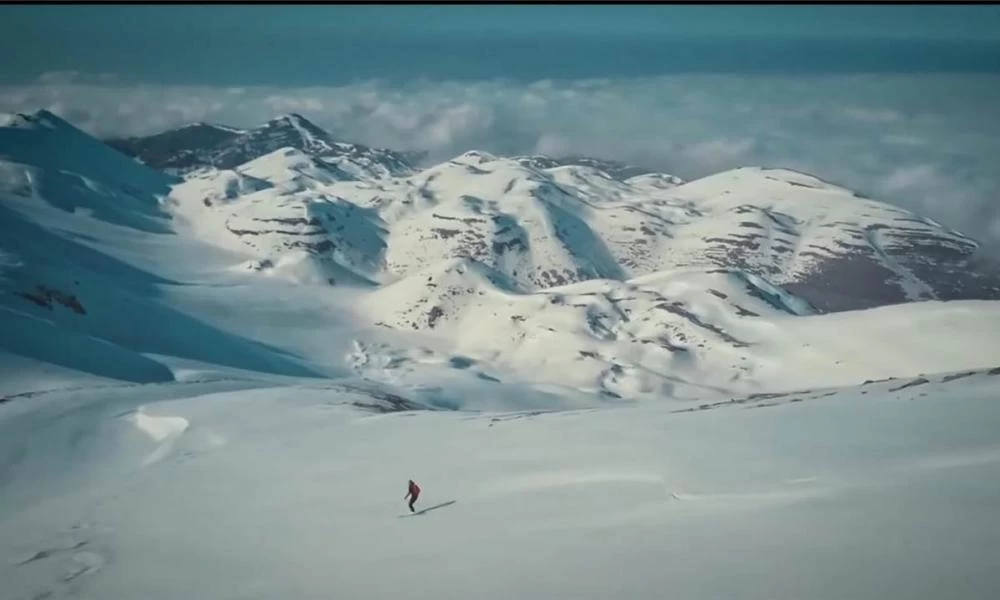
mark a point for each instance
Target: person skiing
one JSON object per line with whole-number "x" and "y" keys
{"x": 413, "y": 493}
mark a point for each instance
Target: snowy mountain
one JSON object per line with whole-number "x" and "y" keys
{"x": 543, "y": 228}
{"x": 643, "y": 287}
{"x": 589, "y": 218}
{"x": 217, "y": 384}
{"x": 180, "y": 149}
{"x": 202, "y": 145}
{"x": 82, "y": 275}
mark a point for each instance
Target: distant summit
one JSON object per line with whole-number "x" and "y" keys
{"x": 202, "y": 145}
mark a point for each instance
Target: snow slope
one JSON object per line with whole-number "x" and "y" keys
{"x": 88, "y": 262}
{"x": 226, "y": 490}
{"x": 683, "y": 334}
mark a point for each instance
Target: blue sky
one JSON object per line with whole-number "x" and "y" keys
{"x": 333, "y": 44}
{"x": 899, "y": 102}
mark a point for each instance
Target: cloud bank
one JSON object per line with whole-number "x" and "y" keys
{"x": 930, "y": 143}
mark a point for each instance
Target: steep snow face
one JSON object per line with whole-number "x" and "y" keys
{"x": 44, "y": 140}
{"x": 536, "y": 227}
{"x": 508, "y": 217}
{"x": 75, "y": 292}
{"x": 199, "y": 146}
{"x": 281, "y": 211}
{"x": 326, "y": 228}
{"x": 45, "y": 159}
{"x": 87, "y": 252}
{"x": 524, "y": 223}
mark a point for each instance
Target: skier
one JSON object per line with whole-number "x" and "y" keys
{"x": 413, "y": 493}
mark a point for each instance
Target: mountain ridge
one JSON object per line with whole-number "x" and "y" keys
{"x": 506, "y": 269}
{"x": 199, "y": 145}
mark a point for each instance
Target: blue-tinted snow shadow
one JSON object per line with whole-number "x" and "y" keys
{"x": 429, "y": 508}
{"x": 122, "y": 304}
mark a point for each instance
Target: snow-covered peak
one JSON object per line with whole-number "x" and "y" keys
{"x": 295, "y": 131}
{"x": 64, "y": 164}
{"x": 199, "y": 146}
{"x": 308, "y": 130}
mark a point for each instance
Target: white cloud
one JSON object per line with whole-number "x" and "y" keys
{"x": 927, "y": 142}
{"x": 553, "y": 145}
{"x": 720, "y": 151}
{"x": 911, "y": 178}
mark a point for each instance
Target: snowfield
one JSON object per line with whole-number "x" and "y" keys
{"x": 217, "y": 378}
{"x": 223, "y": 490}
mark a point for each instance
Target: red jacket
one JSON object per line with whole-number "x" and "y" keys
{"x": 414, "y": 489}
